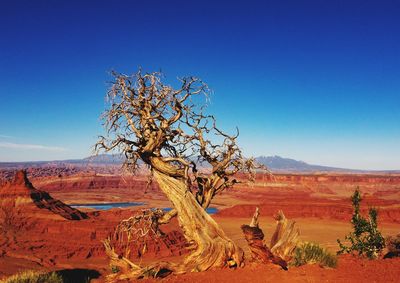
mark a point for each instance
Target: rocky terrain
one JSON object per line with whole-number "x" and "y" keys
{"x": 19, "y": 198}
{"x": 40, "y": 229}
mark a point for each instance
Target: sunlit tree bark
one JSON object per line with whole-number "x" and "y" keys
{"x": 169, "y": 131}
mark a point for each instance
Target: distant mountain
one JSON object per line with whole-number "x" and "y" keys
{"x": 280, "y": 164}
{"x": 273, "y": 163}
{"x": 101, "y": 159}
{"x": 105, "y": 159}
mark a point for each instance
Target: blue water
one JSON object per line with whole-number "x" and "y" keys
{"x": 107, "y": 206}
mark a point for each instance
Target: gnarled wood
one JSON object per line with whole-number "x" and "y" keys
{"x": 285, "y": 238}
{"x": 145, "y": 121}
{"x": 210, "y": 246}
{"x": 255, "y": 239}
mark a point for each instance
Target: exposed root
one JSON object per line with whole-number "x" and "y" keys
{"x": 125, "y": 269}
{"x": 200, "y": 260}
{"x": 209, "y": 246}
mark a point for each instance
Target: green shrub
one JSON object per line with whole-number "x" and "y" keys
{"x": 365, "y": 238}
{"x": 310, "y": 253}
{"x": 31, "y": 276}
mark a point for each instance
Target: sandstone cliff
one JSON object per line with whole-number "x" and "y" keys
{"x": 20, "y": 196}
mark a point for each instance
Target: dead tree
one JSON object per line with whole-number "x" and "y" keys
{"x": 283, "y": 241}
{"x": 168, "y": 130}
{"x": 285, "y": 238}
{"x": 255, "y": 239}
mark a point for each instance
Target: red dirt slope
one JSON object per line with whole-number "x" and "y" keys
{"x": 39, "y": 231}
{"x": 350, "y": 269}
{"x": 20, "y": 196}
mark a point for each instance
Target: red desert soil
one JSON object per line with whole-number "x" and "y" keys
{"x": 39, "y": 231}
{"x": 319, "y": 203}
{"x": 350, "y": 269}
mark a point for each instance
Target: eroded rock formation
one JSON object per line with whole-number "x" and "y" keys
{"x": 38, "y": 230}
{"x": 24, "y": 200}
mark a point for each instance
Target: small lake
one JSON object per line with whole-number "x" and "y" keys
{"x": 110, "y": 205}
{"x": 106, "y": 206}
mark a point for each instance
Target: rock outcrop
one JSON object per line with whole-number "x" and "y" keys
{"x": 20, "y": 196}
{"x": 38, "y": 230}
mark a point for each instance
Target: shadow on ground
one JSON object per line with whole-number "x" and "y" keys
{"x": 78, "y": 275}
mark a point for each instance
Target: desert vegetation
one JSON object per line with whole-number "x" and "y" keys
{"x": 188, "y": 141}
{"x": 365, "y": 239}
{"x": 312, "y": 253}
{"x": 31, "y": 276}
{"x": 169, "y": 130}
{"x": 59, "y": 241}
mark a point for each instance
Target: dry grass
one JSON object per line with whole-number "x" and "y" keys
{"x": 310, "y": 253}
{"x": 30, "y": 276}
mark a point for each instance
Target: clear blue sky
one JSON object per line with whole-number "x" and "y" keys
{"x": 317, "y": 80}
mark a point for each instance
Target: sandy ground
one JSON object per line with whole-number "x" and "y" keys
{"x": 300, "y": 196}
{"x": 322, "y": 231}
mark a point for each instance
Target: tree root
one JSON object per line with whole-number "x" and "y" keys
{"x": 216, "y": 255}
{"x": 124, "y": 269}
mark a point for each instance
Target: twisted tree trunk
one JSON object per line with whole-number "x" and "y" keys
{"x": 150, "y": 121}
{"x": 210, "y": 246}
